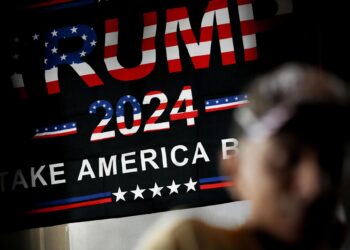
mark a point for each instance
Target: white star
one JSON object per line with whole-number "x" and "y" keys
{"x": 64, "y": 126}
{"x": 226, "y": 100}
{"x": 83, "y": 53}
{"x": 63, "y": 57}
{"x": 35, "y": 36}
{"x": 156, "y": 190}
{"x": 138, "y": 192}
{"x": 207, "y": 103}
{"x": 54, "y": 33}
{"x": 119, "y": 195}
{"x": 174, "y": 187}
{"x": 217, "y": 101}
{"x": 191, "y": 185}
{"x": 84, "y": 37}
{"x": 37, "y": 131}
{"x": 236, "y": 98}
{"x": 45, "y": 129}
{"x": 16, "y": 39}
{"x": 119, "y": 107}
{"x": 134, "y": 100}
{"x": 46, "y": 44}
{"x": 93, "y": 43}
{"x": 15, "y": 56}
{"x": 54, "y": 50}
{"x": 55, "y": 128}
{"x": 245, "y": 96}
{"x": 98, "y": 101}
{"x": 74, "y": 29}
{"x": 45, "y": 61}
{"x": 104, "y": 105}
{"x": 135, "y": 109}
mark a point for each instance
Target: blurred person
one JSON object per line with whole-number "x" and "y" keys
{"x": 292, "y": 150}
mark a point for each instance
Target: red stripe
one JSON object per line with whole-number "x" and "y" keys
{"x": 98, "y": 129}
{"x": 187, "y": 87}
{"x": 241, "y": 2}
{"x": 155, "y": 92}
{"x": 250, "y": 54}
{"x": 162, "y": 106}
{"x": 216, "y": 185}
{"x": 179, "y": 116}
{"x": 248, "y": 27}
{"x": 216, "y": 4}
{"x": 111, "y": 25}
{"x": 92, "y": 80}
{"x": 122, "y": 125}
{"x": 47, "y": 3}
{"x": 152, "y": 120}
{"x": 176, "y": 14}
{"x": 224, "y": 31}
{"x": 70, "y": 206}
{"x": 110, "y": 51}
{"x": 148, "y": 43}
{"x": 201, "y": 62}
{"x": 227, "y": 107}
{"x": 150, "y": 18}
{"x": 170, "y": 39}
{"x": 174, "y": 65}
{"x": 129, "y": 74}
{"x": 228, "y": 58}
{"x": 55, "y": 135}
{"x": 53, "y": 87}
{"x": 189, "y": 102}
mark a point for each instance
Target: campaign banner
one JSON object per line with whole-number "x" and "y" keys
{"x": 123, "y": 108}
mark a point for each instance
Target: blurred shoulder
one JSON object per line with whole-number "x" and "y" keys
{"x": 192, "y": 234}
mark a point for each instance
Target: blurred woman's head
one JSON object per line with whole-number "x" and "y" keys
{"x": 292, "y": 138}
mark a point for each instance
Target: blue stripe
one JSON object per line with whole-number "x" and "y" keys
{"x": 74, "y": 199}
{"x": 214, "y": 179}
{"x": 70, "y": 5}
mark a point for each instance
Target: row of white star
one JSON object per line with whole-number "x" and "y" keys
{"x": 156, "y": 190}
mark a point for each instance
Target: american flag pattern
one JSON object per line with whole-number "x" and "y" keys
{"x": 229, "y": 102}
{"x": 190, "y": 114}
{"x": 56, "y": 130}
{"x": 199, "y": 51}
{"x": 98, "y": 133}
{"x": 246, "y": 16}
{"x": 58, "y": 4}
{"x": 53, "y": 57}
{"x": 148, "y": 50}
{"x": 136, "y": 108}
{"x": 151, "y": 124}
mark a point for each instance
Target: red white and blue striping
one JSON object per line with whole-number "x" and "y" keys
{"x": 56, "y": 130}
{"x": 229, "y": 102}
{"x": 53, "y": 57}
{"x": 136, "y": 108}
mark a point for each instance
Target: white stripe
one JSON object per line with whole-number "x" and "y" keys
{"x": 172, "y": 53}
{"x": 103, "y": 135}
{"x": 208, "y": 19}
{"x": 127, "y": 131}
{"x": 184, "y": 24}
{"x": 156, "y": 126}
{"x": 83, "y": 69}
{"x": 226, "y": 45}
{"x": 245, "y": 12}
{"x": 249, "y": 41}
{"x": 158, "y": 113}
{"x": 148, "y": 56}
{"x": 149, "y": 31}
{"x": 222, "y": 16}
{"x": 17, "y": 80}
{"x": 121, "y": 119}
{"x": 225, "y": 105}
{"x": 111, "y": 38}
{"x": 104, "y": 122}
{"x": 201, "y": 49}
{"x": 55, "y": 132}
{"x": 51, "y": 75}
